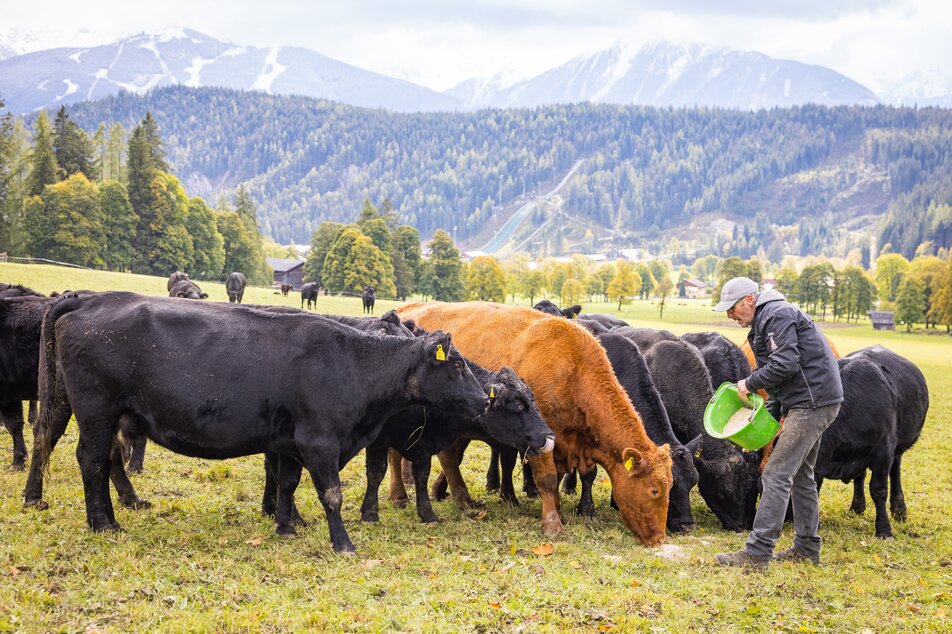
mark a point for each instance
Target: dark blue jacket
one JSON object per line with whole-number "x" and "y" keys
{"x": 794, "y": 361}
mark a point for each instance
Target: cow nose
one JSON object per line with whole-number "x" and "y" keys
{"x": 549, "y": 444}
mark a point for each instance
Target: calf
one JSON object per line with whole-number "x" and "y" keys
{"x": 202, "y": 400}
{"x": 187, "y": 289}
{"x": 178, "y": 276}
{"x": 369, "y": 296}
{"x": 550, "y": 308}
{"x": 886, "y": 400}
{"x": 309, "y": 294}
{"x": 235, "y": 287}
{"x": 285, "y": 289}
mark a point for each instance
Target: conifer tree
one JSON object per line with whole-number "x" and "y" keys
{"x": 119, "y": 225}
{"x": 44, "y": 170}
{"x": 72, "y": 147}
{"x": 112, "y": 166}
{"x": 406, "y": 258}
{"x": 441, "y": 278}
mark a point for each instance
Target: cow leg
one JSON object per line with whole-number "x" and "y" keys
{"x": 529, "y": 482}
{"x": 507, "y": 461}
{"x": 127, "y": 493}
{"x": 31, "y": 413}
{"x": 321, "y": 462}
{"x": 878, "y": 490}
{"x": 137, "y": 459}
{"x": 44, "y": 441}
{"x": 449, "y": 461}
{"x": 421, "y": 476}
{"x": 858, "y": 505}
{"x": 12, "y": 414}
{"x": 450, "y": 458}
{"x": 897, "y": 502}
{"x": 569, "y": 482}
{"x": 288, "y": 475}
{"x": 586, "y": 505}
{"x": 547, "y": 480}
{"x": 492, "y": 473}
{"x": 398, "y": 490}
{"x": 269, "y": 500}
{"x": 93, "y": 452}
{"x": 376, "y": 468}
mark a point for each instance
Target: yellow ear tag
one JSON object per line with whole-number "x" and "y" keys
{"x": 440, "y": 355}
{"x": 630, "y": 464}
{"x": 492, "y": 391}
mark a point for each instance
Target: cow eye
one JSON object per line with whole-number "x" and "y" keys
{"x": 654, "y": 492}
{"x": 458, "y": 364}
{"x": 520, "y": 406}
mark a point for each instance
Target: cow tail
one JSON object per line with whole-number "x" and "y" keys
{"x": 47, "y": 381}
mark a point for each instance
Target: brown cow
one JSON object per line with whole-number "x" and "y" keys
{"x": 579, "y": 397}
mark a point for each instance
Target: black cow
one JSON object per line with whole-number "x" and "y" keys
{"x": 309, "y": 294}
{"x": 646, "y": 338}
{"x": 17, "y": 290}
{"x": 235, "y": 287}
{"x": 369, "y": 296}
{"x": 885, "y": 401}
{"x": 179, "y": 380}
{"x": 20, "y": 322}
{"x": 512, "y": 420}
{"x": 728, "y": 478}
{"x": 550, "y": 308}
{"x": 178, "y": 276}
{"x": 187, "y": 289}
{"x": 8, "y": 291}
{"x": 724, "y": 359}
{"x": 605, "y": 320}
{"x": 286, "y": 288}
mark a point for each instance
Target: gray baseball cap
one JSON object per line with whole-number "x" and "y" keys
{"x": 735, "y": 290}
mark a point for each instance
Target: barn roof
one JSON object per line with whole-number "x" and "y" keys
{"x": 280, "y": 265}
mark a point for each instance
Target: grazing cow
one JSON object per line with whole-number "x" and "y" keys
{"x": 369, "y": 296}
{"x": 235, "y": 287}
{"x": 605, "y": 320}
{"x": 728, "y": 478}
{"x": 580, "y": 399}
{"x": 884, "y": 408}
{"x": 17, "y": 290}
{"x": 309, "y": 294}
{"x": 512, "y": 420}
{"x": 286, "y": 288}
{"x": 187, "y": 289}
{"x": 724, "y": 359}
{"x": 550, "y": 308}
{"x": 178, "y": 276}
{"x": 294, "y": 407}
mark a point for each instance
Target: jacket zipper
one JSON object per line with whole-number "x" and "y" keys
{"x": 807, "y": 383}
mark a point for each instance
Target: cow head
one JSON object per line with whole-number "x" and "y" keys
{"x": 390, "y": 324}
{"x": 187, "y": 290}
{"x": 685, "y": 478}
{"x": 728, "y": 480}
{"x": 548, "y": 308}
{"x": 572, "y": 311}
{"x": 513, "y": 418}
{"x": 444, "y": 381}
{"x": 641, "y": 483}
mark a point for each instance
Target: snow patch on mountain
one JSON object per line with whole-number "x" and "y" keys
{"x": 270, "y": 72}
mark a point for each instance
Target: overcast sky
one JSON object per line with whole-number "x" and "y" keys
{"x": 438, "y": 43}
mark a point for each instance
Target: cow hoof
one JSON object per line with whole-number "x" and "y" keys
{"x": 285, "y": 530}
{"x": 297, "y": 520}
{"x": 429, "y": 518}
{"x": 885, "y": 536}
{"x": 510, "y": 499}
{"x": 370, "y": 518}
{"x": 467, "y": 503}
{"x": 347, "y": 549}
{"x": 40, "y": 505}
{"x": 552, "y": 525}
{"x": 531, "y": 493}
{"x": 136, "y": 504}
{"x": 858, "y": 510}
{"x": 18, "y": 466}
{"x": 134, "y": 469}
{"x": 108, "y": 527}
{"x": 899, "y": 515}
{"x": 492, "y": 487}
{"x": 268, "y": 511}
{"x": 586, "y": 511}
{"x": 399, "y": 503}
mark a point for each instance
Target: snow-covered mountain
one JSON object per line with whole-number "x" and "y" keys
{"x": 53, "y": 77}
{"x": 931, "y": 87}
{"x": 666, "y": 74}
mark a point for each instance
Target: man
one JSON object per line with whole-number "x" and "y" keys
{"x": 796, "y": 366}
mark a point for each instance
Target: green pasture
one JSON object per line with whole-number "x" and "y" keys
{"x": 204, "y": 560}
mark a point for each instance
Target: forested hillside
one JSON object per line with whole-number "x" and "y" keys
{"x": 646, "y": 170}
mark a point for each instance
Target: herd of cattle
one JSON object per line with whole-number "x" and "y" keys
{"x": 566, "y": 390}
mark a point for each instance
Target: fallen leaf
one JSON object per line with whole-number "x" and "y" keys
{"x": 14, "y": 571}
{"x": 940, "y": 595}
{"x": 543, "y": 549}
{"x": 862, "y": 542}
{"x": 494, "y": 605}
{"x": 255, "y": 541}
{"x": 482, "y": 568}
{"x": 912, "y": 607}
{"x": 605, "y": 628}
{"x": 370, "y": 564}
{"x": 647, "y": 611}
{"x": 576, "y": 565}
{"x": 507, "y": 566}
{"x": 634, "y": 583}
{"x": 940, "y": 613}
{"x": 479, "y": 517}
{"x": 921, "y": 581}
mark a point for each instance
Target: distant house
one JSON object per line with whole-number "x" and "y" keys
{"x": 693, "y": 287}
{"x": 287, "y": 271}
{"x": 882, "y": 319}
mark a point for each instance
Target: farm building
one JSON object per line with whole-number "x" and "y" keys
{"x": 287, "y": 271}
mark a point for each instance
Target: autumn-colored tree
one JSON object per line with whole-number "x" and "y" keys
{"x": 321, "y": 242}
{"x": 941, "y": 300}
{"x": 890, "y": 269}
{"x": 625, "y": 285}
{"x": 572, "y": 291}
{"x": 485, "y": 280}
{"x": 910, "y": 303}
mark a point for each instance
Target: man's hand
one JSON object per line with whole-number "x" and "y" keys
{"x": 742, "y": 391}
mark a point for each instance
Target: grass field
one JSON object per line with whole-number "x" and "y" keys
{"x": 204, "y": 559}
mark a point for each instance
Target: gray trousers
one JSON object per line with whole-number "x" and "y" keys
{"x": 789, "y": 472}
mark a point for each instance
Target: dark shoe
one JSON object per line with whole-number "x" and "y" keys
{"x": 794, "y": 555}
{"x": 742, "y": 559}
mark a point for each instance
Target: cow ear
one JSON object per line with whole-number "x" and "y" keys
{"x": 694, "y": 446}
{"x": 204, "y": 296}
{"x": 438, "y": 347}
{"x": 572, "y": 311}
{"x": 495, "y": 392}
{"x": 390, "y": 317}
{"x": 633, "y": 460}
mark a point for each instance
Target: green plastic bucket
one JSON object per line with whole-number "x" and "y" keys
{"x": 760, "y": 428}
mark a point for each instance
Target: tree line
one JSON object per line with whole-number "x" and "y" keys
{"x": 645, "y": 170}
{"x": 111, "y": 203}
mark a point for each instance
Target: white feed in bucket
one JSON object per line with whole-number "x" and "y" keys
{"x": 736, "y": 422}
